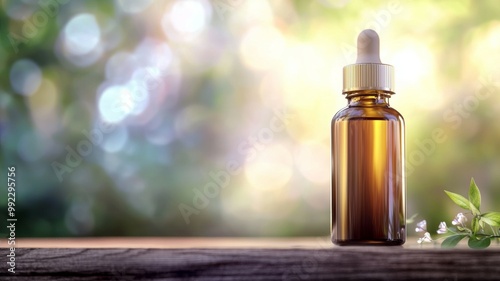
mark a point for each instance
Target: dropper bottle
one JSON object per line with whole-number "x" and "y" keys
{"x": 368, "y": 192}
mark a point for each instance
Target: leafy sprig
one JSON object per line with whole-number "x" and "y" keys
{"x": 484, "y": 227}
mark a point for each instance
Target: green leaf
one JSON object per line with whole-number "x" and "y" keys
{"x": 475, "y": 225}
{"x": 474, "y": 194}
{"x": 481, "y": 223}
{"x": 491, "y": 218}
{"x": 411, "y": 219}
{"x": 452, "y": 241}
{"x": 459, "y": 200}
{"x": 482, "y": 243}
{"x": 474, "y": 210}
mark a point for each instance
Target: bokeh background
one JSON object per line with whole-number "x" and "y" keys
{"x": 211, "y": 118}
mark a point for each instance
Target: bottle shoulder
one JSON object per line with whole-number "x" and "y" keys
{"x": 376, "y": 113}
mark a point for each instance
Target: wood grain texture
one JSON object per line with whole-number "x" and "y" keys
{"x": 338, "y": 263}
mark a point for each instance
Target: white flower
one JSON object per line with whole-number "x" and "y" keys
{"x": 442, "y": 228}
{"x": 459, "y": 219}
{"x": 426, "y": 238}
{"x": 421, "y": 226}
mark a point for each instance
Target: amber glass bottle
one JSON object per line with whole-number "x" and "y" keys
{"x": 368, "y": 155}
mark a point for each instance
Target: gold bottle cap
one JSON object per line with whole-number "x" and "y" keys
{"x": 368, "y": 73}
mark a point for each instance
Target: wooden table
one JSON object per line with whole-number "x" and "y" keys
{"x": 241, "y": 259}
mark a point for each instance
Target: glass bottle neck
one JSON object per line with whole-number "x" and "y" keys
{"x": 368, "y": 98}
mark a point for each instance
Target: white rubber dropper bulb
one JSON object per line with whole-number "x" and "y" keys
{"x": 368, "y": 73}
{"x": 368, "y": 47}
